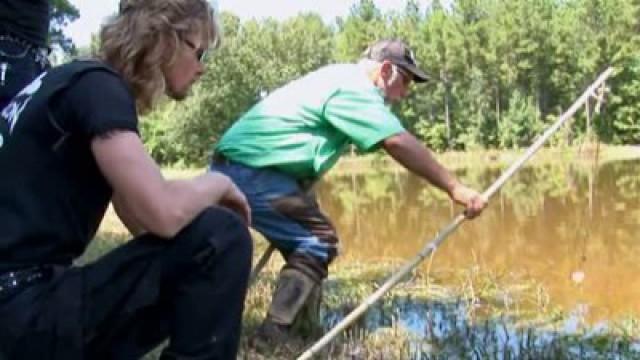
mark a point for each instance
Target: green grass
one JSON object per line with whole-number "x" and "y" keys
{"x": 581, "y": 155}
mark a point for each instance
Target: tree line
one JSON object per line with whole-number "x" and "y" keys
{"x": 502, "y": 70}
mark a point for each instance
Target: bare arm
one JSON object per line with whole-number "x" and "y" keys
{"x": 146, "y": 200}
{"x": 126, "y": 216}
{"x": 411, "y": 154}
{"x": 414, "y": 156}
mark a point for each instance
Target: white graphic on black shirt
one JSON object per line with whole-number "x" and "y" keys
{"x": 11, "y": 113}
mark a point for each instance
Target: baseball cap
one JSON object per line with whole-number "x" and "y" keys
{"x": 397, "y": 52}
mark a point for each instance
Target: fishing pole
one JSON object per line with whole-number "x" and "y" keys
{"x": 451, "y": 227}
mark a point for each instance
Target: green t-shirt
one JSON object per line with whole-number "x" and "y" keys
{"x": 303, "y": 127}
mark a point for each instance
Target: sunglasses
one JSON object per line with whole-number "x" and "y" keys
{"x": 406, "y": 77}
{"x": 201, "y": 54}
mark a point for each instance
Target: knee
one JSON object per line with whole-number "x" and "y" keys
{"x": 315, "y": 268}
{"x": 223, "y": 231}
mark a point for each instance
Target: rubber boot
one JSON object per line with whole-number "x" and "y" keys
{"x": 293, "y": 291}
{"x": 307, "y": 322}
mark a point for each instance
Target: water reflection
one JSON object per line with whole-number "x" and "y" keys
{"x": 443, "y": 331}
{"x": 573, "y": 229}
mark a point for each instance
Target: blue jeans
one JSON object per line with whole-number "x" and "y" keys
{"x": 285, "y": 214}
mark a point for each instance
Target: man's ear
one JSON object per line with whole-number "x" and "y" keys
{"x": 386, "y": 70}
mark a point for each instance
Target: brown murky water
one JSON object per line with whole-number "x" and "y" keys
{"x": 574, "y": 229}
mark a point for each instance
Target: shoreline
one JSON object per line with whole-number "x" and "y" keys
{"x": 454, "y": 160}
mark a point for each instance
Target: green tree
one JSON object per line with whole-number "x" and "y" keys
{"x": 442, "y": 42}
{"x": 501, "y": 70}
{"x": 611, "y": 26}
{"x": 62, "y": 13}
{"x": 361, "y": 27}
{"x": 521, "y": 123}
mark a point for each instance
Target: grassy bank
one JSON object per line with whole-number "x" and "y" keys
{"x": 580, "y": 155}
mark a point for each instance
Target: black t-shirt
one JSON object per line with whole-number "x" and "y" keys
{"x": 52, "y": 193}
{"x": 26, "y": 19}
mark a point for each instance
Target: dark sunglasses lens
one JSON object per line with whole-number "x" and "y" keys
{"x": 201, "y": 54}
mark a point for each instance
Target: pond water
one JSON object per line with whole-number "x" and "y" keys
{"x": 573, "y": 229}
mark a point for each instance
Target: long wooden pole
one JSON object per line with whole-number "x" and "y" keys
{"x": 444, "y": 232}
{"x": 261, "y": 263}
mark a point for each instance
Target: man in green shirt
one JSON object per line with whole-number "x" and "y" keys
{"x": 296, "y": 134}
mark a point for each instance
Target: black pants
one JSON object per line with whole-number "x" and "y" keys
{"x": 19, "y": 65}
{"x": 189, "y": 290}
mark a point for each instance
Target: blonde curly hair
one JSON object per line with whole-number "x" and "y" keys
{"x": 145, "y": 36}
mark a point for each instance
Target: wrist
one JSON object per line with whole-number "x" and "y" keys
{"x": 451, "y": 187}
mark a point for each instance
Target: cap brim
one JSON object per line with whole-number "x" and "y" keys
{"x": 419, "y": 76}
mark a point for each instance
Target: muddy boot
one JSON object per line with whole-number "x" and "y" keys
{"x": 292, "y": 292}
{"x": 308, "y": 323}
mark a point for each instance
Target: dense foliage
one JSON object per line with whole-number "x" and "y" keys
{"x": 502, "y": 70}
{"x": 62, "y": 13}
